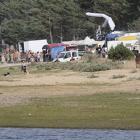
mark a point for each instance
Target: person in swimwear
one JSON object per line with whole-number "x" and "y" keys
{"x": 23, "y": 67}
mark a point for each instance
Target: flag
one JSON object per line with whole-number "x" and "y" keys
{"x": 98, "y": 33}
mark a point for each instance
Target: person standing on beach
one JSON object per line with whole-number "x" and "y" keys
{"x": 11, "y": 55}
{"x": 23, "y": 67}
{"x": 18, "y": 56}
{"x": 14, "y": 57}
{"x": 99, "y": 51}
{"x": 38, "y": 56}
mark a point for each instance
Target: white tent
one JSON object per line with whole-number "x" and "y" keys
{"x": 86, "y": 41}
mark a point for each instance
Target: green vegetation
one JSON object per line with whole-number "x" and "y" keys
{"x": 118, "y": 76}
{"x": 93, "y": 76}
{"x": 101, "y": 110}
{"x": 83, "y": 66}
{"x": 59, "y": 20}
{"x": 120, "y": 52}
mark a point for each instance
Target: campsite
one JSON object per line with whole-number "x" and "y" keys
{"x": 69, "y": 65}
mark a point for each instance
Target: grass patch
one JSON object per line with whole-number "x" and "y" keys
{"x": 118, "y": 76}
{"x": 131, "y": 79}
{"x": 91, "y": 84}
{"x": 93, "y": 76}
{"x": 103, "y": 111}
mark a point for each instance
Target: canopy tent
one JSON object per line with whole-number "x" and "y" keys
{"x": 56, "y": 50}
{"x": 86, "y": 41}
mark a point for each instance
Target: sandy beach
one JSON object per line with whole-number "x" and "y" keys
{"x": 23, "y": 87}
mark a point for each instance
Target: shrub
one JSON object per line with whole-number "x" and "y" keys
{"x": 118, "y": 76}
{"x": 93, "y": 76}
{"x": 48, "y": 67}
{"x": 120, "y": 53}
{"x": 89, "y": 57}
{"x": 82, "y": 66}
{"x": 11, "y": 68}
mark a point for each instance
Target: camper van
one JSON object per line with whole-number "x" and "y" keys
{"x": 66, "y": 56}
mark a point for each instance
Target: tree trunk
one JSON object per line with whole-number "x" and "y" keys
{"x": 61, "y": 35}
{"x": 74, "y": 37}
{"x": 51, "y": 37}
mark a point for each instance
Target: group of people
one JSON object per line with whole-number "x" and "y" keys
{"x": 101, "y": 52}
{"x": 12, "y": 56}
{"x": 32, "y": 57}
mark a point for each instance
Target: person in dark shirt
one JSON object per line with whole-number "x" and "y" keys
{"x": 99, "y": 51}
{"x": 135, "y": 51}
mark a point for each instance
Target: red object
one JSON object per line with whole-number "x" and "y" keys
{"x": 14, "y": 56}
{"x": 71, "y": 48}
{"x": 44, "y": 51}
{"x": 54, "y": 45}
{"x": 72, "y": 59}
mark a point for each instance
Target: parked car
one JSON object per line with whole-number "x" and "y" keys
{"x": 65, "y": 56}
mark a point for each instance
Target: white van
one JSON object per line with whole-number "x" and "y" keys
{"x": 67, "y": 56}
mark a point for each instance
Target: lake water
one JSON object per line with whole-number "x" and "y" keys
{"x": 67, "y": 134}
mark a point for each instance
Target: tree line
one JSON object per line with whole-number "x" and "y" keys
{"x": 63, "y": 20}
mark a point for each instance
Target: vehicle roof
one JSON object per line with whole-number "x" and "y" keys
{"x": 54, "y": 45}
{"x": 69, "y": 51}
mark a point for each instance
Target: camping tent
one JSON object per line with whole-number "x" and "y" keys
{"x": 56, "y": 50}
{"x": 111, "y": 36}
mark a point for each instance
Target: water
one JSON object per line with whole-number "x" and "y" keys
{"x": 67, "y": 134}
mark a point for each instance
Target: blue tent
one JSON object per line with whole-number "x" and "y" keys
{"x": 111, "y": 36}
{"x": 56, "y": 50}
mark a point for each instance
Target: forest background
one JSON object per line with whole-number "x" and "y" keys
{"x": 63, "y": 20}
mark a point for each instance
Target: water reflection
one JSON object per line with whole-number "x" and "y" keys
{"x": 67, "y": 134}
